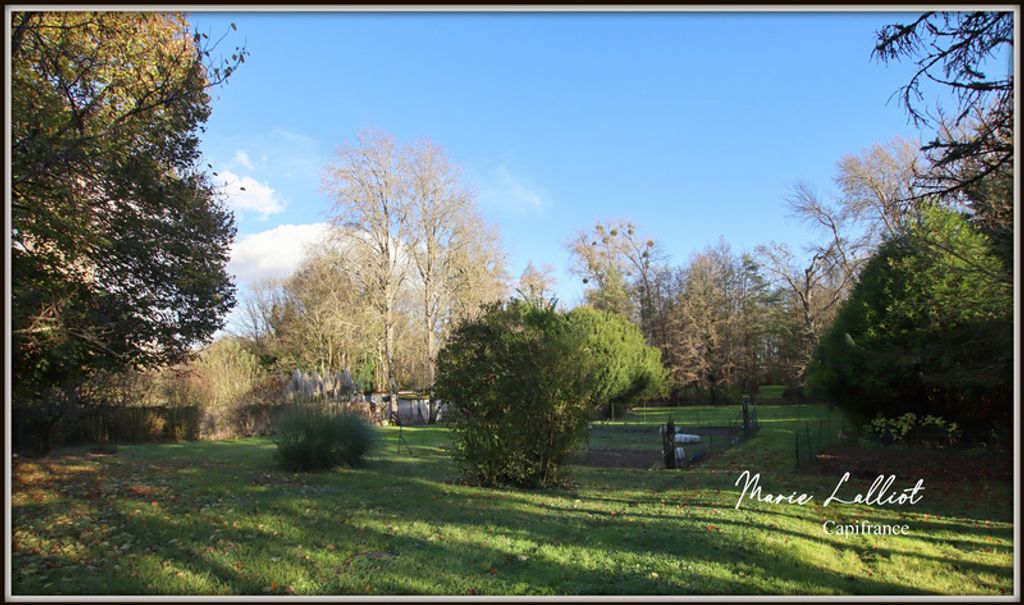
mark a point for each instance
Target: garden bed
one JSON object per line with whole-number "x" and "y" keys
{"x": 948, "y": 465}
{"x": 623, "y": 446}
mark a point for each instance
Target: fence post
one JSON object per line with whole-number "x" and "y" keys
{"x": 746, "y": 417}
{"x": 668, "y": 444}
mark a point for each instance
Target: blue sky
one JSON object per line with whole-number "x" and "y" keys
{"x": 693, "y": 125}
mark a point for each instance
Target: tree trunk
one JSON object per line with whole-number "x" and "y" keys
{"x": 431, "y": 369}
{"x": 389, "y": 361}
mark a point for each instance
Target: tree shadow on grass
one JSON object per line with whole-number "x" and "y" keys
{"x": 815, "y": 517}
{"x": 687, "y": 543}
{"x": 866, "y": 550}
{"x": 379, "y": 521}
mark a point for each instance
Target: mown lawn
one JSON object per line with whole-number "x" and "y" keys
{"x": 218, "y": 518}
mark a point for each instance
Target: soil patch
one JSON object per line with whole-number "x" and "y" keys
{"x": 625, "y": 429}
{"x": 710, "y": 430}
{"x": 619, "y": 458}
{"x": 696, "y": 430}
{"x": 932, "y": 465}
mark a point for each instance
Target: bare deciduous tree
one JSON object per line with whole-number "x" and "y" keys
{"x": 418, "y": 247}
{"x": 256, "y": 323}
{"x": 878, "y": 186}
{"x": 815, "y": 287}
{"x": 481, "y": 272}
{"x": 875, "y": 200}
{"x": 535, "y": 285}
{"x": 324, "y": 315}
{"x": 369, "y": 182}
{"x": 623, "y": 266}
{"x": 456, "y": 256}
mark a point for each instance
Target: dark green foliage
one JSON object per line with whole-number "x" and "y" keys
{"x": 119, "y": 245}
{"x": 363, "y": 373}
{"x": 719, "y": 394}
{"x": 523, "y": 382}
{"x": 313, "y": 438}
{"x": 795, "y": 394}
{"x": 928, "y": 329}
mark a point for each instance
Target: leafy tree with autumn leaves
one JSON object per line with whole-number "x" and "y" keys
{"x": 119, "y": 242}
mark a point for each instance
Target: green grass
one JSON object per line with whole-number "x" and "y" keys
{"x": 219, "y": 518}
{"x": 771, "y": 392}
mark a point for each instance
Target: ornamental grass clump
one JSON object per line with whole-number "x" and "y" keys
{"x": 313, "y": 438}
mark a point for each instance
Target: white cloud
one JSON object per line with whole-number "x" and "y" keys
{"x": 294, "y": 137}
{"x": 242, "y": 159}
{"x": 273, "y": 254}
{"x": 247, "y": 195}
{"x": 511, "y": 194}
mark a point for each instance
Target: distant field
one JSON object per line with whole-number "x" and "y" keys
{"x": 218, "y": 518}
{"x": 771, "y": 391}
{"x": 769, "y": 394}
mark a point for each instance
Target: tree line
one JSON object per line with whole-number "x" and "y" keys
{"x": 120, "y": 243}
{"x": 411, "y": 259}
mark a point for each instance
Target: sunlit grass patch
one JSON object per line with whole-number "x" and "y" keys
{"x": 220, "y": 519}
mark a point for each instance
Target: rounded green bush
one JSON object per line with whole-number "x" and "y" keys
{"x": 523, "y": 382}
{"x": 312, "y": 438}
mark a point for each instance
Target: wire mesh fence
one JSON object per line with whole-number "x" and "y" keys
{"x": 687, "y": 443}
{"x": 813, "y": 436}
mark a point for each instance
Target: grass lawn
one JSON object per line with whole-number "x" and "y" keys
{"x": 771, "y": 392}
{"x": 219, "y": 518}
